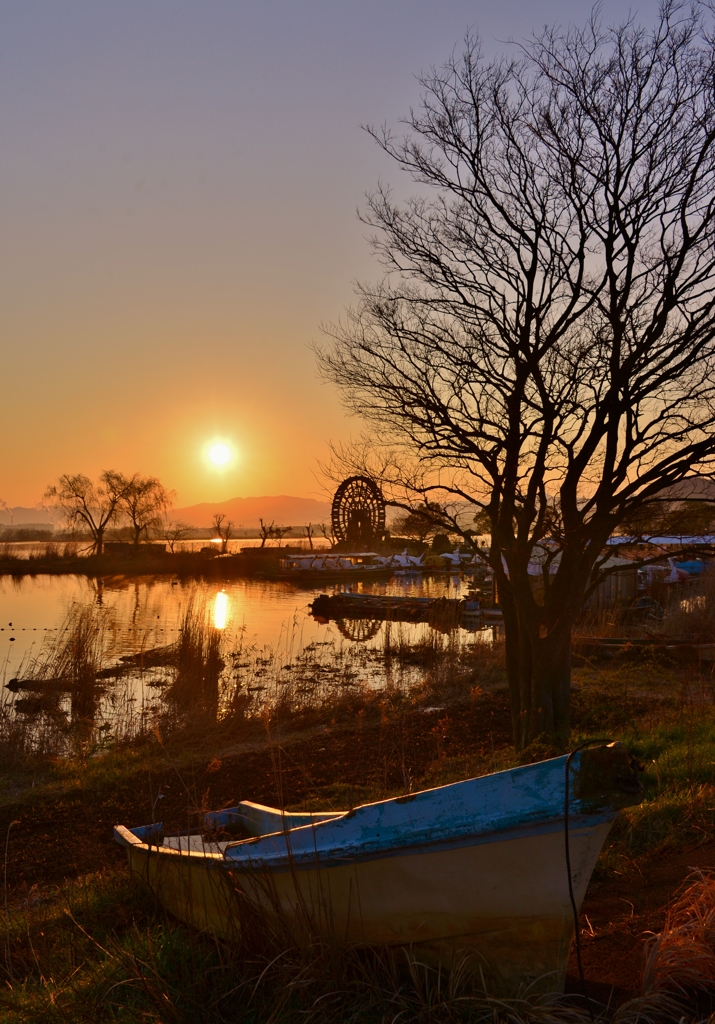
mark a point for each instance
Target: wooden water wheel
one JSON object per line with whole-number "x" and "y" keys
{"x": 358, "y": 512}
{"x": 359, "y": 630}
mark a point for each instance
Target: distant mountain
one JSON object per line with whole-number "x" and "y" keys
{"x": 282, "y": 509}
{"x": 696, "y": 488}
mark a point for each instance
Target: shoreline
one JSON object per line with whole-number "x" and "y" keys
{"x": 144, "y": 563}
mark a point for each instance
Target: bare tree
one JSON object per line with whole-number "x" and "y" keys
{"x": 266, "y": 531}
{"x": 310, "y": 533}
{"x": 224, "y": 529}
{"x": 326, "y": 530}
{"x": 87, "y": 505}
{"x": 543, "y": 342}
{"x": 144, "y": 502}
{"x": 420, "y": 522}
{"x": 269, "y": 531}
{"x": 279, "y": 532}
{"x": 173, "y": 531}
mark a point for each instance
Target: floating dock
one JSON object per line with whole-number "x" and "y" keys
{"x": 441, "y": 613}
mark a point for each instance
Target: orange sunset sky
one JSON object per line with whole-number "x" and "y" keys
{"x": 179, "y": 183}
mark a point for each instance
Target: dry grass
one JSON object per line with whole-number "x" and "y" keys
{"x": 681, "y": 959}
{"x": 100, "y": 949}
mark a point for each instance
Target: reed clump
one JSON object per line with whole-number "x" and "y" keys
{"x": 59, "y": 689}
{"x": 680, "y": 960}
{"x": 196, "y": 663}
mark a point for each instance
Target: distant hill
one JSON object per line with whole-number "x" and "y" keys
{"x": 696, "y": 488}
{"x": 282, "y": 509}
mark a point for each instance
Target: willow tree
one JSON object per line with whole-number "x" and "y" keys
{"x": 144, "y": 502}
{"x": 89, "y": 506}
{"x": 542, "y": 342}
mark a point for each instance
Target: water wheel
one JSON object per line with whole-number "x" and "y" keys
{"x": 359, "y": 630}
{"x": 358, "y": 512}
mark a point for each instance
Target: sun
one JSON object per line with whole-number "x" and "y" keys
{"x": 219, "y": 454}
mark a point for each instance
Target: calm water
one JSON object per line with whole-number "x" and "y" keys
{"x": 23, "y": 549}
{"x": 147, "y": 610}
{"x": 265, "y": 629}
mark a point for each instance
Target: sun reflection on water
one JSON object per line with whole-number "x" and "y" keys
{"x": 220, "y": 610}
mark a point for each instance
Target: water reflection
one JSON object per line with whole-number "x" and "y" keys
{"x": 172, "y": 652}
{"x": 359, "y": 630}
{"x": 220, "y": 610}
{"x": 147, "y": 611}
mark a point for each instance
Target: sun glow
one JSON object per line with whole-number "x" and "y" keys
{"x": 220, "y": 610}
{"x": 219, "y": 453}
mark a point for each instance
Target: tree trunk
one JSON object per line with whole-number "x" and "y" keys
{"x": 99, "y": 542}
{"x": 539, "y": 676}
{"x": 550, "y": 712}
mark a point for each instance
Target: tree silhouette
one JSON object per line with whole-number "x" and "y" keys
{"x": 224, "y": 529}
{"x": 144, "y": 502}
{"x": 542, "y": 345}
{"x": 87, "y": 505}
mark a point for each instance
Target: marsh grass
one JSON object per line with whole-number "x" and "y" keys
{"x": 57, "y": 711}
{"x": 100, "y": 949}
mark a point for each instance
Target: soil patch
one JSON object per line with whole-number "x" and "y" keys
{"x": 619, "y": 913}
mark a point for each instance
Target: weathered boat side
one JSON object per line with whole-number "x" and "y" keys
{"x": 478, "y": 810}
{"x": 193, "y": 885}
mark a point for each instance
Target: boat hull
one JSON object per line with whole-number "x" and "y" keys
{"x": 475, "y": 869}
{"x": 195, "y": 888}
{"x": 503, "y": 903}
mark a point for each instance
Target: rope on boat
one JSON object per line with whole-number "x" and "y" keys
{"x": 577, "y": 933}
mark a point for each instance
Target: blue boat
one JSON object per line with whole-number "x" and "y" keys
{"x": 475, "y": 869}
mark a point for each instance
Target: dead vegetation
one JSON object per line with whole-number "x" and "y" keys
{"x": 100, "y": 949}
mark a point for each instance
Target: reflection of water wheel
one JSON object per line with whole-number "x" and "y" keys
{"x": 359, "y": 630}
{"x": 358, "y": 512}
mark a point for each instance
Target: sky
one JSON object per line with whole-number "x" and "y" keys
{"x": 178, "y": 192}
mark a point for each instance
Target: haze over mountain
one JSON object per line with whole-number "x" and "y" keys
{"x": 282, "y": 509}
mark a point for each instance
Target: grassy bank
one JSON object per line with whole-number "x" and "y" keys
{"x": 57, "y": 559}
{"x": 80, "y": 943}
{"x": 70, "y": 558}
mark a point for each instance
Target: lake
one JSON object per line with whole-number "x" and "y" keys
{"x": 264, "y": 613}
{"x": 261, "y": 623}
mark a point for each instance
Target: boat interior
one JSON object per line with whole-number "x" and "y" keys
{"x": 245, "y": 821}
